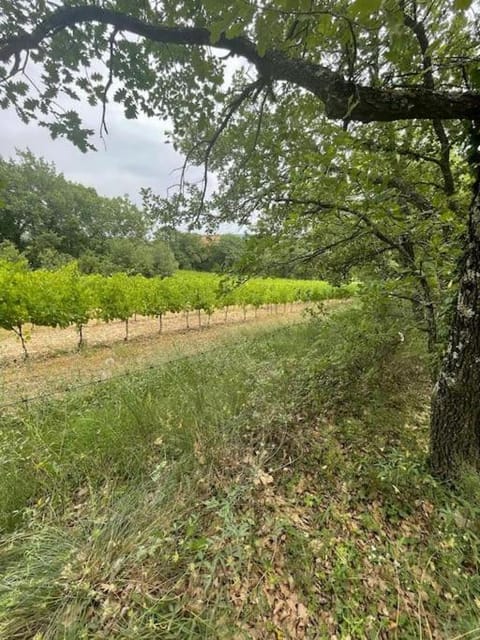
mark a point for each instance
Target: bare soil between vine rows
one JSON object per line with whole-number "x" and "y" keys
{"x": 55, "y": 365}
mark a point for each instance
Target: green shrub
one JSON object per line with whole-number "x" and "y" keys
{"x": 358, "y": 355}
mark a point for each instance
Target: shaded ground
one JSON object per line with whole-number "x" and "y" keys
{"x": 275, "y": 488}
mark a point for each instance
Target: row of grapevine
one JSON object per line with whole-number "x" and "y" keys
{"x": 66, "y": 297}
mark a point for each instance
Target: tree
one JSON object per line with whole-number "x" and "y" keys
{"x": 139, "y": 257}
{"x": 10, "y": 253}
{"x": 52, "y": 259}
{"x": 45, "y": 212}
{"x": 339, "y": 201}
{"x": 14, "y": 312}
{"x": 163, "y": 258}
{"x": 188, "y": 249}
{"x": 129, "y": 257}
{"x": 117, "y": 297}
{"x": 370, "y": 61}
{"x": 90, "y": 262}
{"x": 224, "y": 252}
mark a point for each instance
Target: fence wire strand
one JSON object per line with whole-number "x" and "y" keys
{"x": 25, "y": 401}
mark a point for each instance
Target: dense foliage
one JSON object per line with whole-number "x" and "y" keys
{"x": 51, "y": 221}
{"x": 43, "y": 212}
{"x": 66, "y": 297}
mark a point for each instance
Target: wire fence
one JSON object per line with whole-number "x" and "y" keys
{"x": 27, "y": 400}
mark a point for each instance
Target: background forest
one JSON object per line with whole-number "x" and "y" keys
{"x": 51, "y": 221}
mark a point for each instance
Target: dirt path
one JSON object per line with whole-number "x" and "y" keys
{"x": 55, "y": 365}
{"x": 46, "y": 341}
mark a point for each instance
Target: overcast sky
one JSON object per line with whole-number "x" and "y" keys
{"x": 136, "y": 154}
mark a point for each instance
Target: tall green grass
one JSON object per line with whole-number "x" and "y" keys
{"x": 275, "y": 488}
{"x": 123, "y": 429}
{"x": 108, "y": 495}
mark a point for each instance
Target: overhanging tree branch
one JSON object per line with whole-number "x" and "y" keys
{"x": 232, "y": 108}
{"x": 401, "y": 151}
{"x": 341, "y": 97}
{"x": 331, "y": 206}
{"x": 111, "y": 45}
{"x": 419, "y": 30}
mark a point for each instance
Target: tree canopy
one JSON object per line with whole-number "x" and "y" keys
{"x": 349, "y": 55}
{"x": 44, "y": 210}
{"x": 353, "y": 125}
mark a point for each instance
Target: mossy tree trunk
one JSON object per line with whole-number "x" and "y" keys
{"x": 455, "y": 420}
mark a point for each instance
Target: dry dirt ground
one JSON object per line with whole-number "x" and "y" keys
{"x": 55, "y": 364}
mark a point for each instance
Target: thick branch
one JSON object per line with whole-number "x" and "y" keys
{"x": 327, "y": 206}
{"x": 401, "y": 151}
{"x": 342, "y": 99}
{"x": 407, "y": 192}
{"x": 305, "y": 257}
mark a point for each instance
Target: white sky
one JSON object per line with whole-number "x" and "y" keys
{"x": 136, "y": 154}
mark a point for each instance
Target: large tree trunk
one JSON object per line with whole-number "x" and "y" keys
{"x": 455, "y": 421}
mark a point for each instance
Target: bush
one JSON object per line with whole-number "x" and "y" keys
{"x": 358, "y": 356}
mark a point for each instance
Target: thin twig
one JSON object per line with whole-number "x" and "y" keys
{"x": 111, "y": 44}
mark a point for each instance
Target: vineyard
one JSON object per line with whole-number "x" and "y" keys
{"x": 68, "y": 298}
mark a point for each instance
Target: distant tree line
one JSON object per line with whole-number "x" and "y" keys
{"x": 51, "y": 221}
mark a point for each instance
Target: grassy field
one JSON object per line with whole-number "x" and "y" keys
{"x": 276, "y": 487}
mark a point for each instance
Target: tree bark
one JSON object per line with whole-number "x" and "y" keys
{"x": 80, "y": 336}
{"x": 455, "y": 420}
{"x": 19, "y": 331}
{"x": 422, "y": 303}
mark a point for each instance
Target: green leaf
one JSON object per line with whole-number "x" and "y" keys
{"x": 366, "y": 7}
{"x": 462, "y": 5}
{"x": 475, "y": 77}
{"x": 216, "y": 30}
{"x": 235, "y": 30}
